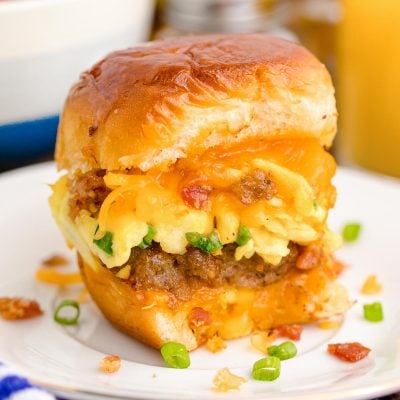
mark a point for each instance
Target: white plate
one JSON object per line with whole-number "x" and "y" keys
{"x": 66, "y": 360}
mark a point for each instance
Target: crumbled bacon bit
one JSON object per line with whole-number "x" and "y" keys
{"x": 350, "y": 352}
{"x": 13, "y": 308}
{"x": 197, "y": 197}
{"x": 56, "y": 260}
{"x": 290, "y": 331}
{"x": 110, "y": 364}
{"x": 215, "y": 344}
{"x": 225, "y": 380}
{"x": 371, "y": 285}
{"x": 199, "y": 317}
{"x": 262, "y": 340}
{"x": 310, "y": 257}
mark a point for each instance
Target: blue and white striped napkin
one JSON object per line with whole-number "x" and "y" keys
{"x": 15, "y": 387}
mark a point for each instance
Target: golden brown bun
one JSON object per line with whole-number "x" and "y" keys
{"x": 151, "y": 105}
{"x": 156, "y": 317}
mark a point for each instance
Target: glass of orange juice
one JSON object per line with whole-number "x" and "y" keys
{"x": 369, "y": 84}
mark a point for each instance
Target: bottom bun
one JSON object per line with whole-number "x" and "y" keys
{"x": 155, "y": 316}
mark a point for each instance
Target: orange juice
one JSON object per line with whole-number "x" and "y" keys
{"x": 369, "y": 84}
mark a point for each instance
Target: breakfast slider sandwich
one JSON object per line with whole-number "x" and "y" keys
{"x": 198, "y": 187}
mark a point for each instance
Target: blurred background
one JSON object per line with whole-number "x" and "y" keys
{"x": 45, "y": 44}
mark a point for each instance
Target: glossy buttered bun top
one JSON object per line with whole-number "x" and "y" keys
{"x": 148, "y": 106}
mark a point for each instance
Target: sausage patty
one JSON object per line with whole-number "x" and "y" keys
{"x": 180, "y": 274}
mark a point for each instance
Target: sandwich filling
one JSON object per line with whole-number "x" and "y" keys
{"x": 230, "y": 216}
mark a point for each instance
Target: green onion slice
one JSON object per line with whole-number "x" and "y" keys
{"x": 105, "y": 243}
{"x": 351, "y": 232}
{"x": 208, "y": 244}
{"x": 373, "y": 312}
{"x": 243, "y": 236}
{"x": 283, "y": 351}
{"x": 266, "y": 369}
{"x": 148, "y": 239}
{"x": 175, "y": 355}
{"x": 65, "y": 320}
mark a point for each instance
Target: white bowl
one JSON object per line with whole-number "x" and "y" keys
{"x": 44, "y": 46}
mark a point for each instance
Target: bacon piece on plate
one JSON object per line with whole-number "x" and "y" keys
{"x": 290, "y": 331}
{"x": 110, "y": 364}
{"x": 56, "y": 260}
{"x": 12, "y": 308}
{"x": 350, "y": 352}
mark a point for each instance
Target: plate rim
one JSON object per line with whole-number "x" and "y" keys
{"x": 376, "y": 389}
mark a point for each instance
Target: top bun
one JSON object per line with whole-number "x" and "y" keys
{"x": 147, "y": 106}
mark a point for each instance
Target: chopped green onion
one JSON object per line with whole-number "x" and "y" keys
{"x": 175, "y": 355}
{"x": 105, "y": 243}
{"x": 284, "y": 351}
{"x": 214, "y": 242}
{"x": 266, "y": 369}
{"x": 243, "y": 236}
{"x": 147, "y": 240}
{"x": 208, "y": 244}
{"x": 194, "y": 238}
{"x": 67, "y": 320}
{"x": 351, "y": 232}
{"x": 373, "y": 312}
